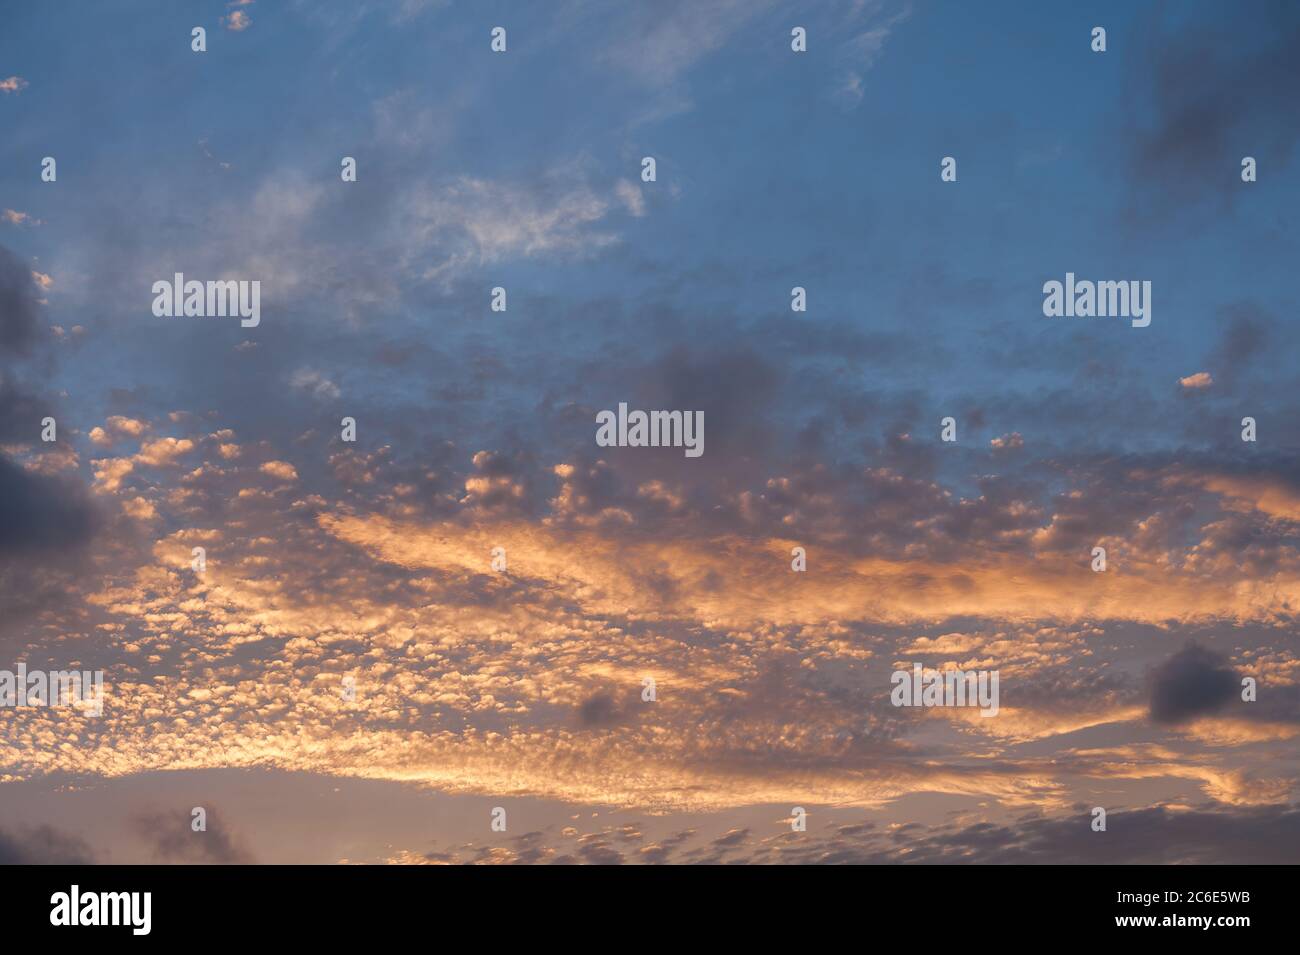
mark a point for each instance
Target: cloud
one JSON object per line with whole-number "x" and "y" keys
{"x": 40, "y": 513}
{"x": 14, "y": 217}
{"x": 659, "y": 43}
{"x": 13, "y": 84}
{"x": 1248, "y": 332}
{"x": 43, "y": 845}
{"x": 1198, "y": 381}
{"x": 1270, "y": 494}
{"x": 770, "y": 684}
{"x": 20, "y": 411}
{"x": 314, "y": 383}
{"x": 173, "y": 839}
{"x": 139, "y": 509}
{"x": 375, "y": 558}
{"x": 117, "y": 426}
{"x": 860, "y": 52}
{"x": 163, "y": 452}
{"x": 19, "y": 310}
{"x": 1156, "y": 835}
{"x": 110, "y": 472}
{"x": 629, "y": 193}
{"x": 237, "y": 21}
{"x": 279, "y": 469}
{"x": 1212, "y": 101}
{"x": 472, "y": 222}
{"x": 1193, "y": 682}
{"x": 599, "y": 709}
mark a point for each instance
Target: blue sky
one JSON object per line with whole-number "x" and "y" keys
{"x": 770, "y": 176}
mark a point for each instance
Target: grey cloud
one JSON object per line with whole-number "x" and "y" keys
{"x": 1216, "y": 100}
{"x": 1193, "y": 682}
{"x": 19, "y": 311}
{"x": 171, "y": 838}
{"x": 40, "y": 513}
{"x": 43, "y": 845}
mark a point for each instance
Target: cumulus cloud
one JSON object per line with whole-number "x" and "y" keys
{"x": 279, "y": 469}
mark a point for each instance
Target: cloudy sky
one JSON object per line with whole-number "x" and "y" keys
{"x": 523, "y": 689}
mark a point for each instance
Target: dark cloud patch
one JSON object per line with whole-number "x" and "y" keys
{"x": 19, "y": 311}
{"x": 1155, "y": 835}
{"x": 39, "y": 514}
{"x": 600, "y": 853}
{"x": 1193, "y": 682}
{"x": 1245, "y": 338}
{"x": 599, "y": 709}
{"x": 20, "y": 412}
{"x": 47, "y": 528}
{"x": 1144, "y": 836}
{"x": 43, "y": 845}
{"x": 44, "y": 520}
{"x": 732, "y": 386}
{"x": 1215, "y": 98}
{"x": 172, "y": 839}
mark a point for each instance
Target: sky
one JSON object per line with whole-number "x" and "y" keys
{"x": 478, "y": 686}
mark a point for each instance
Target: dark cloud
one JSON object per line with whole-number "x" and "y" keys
{"x": 1193, "y": 682}
{"x": 1216, "y": 98}
{"x": 43, "y": 845}
{"x": 40, "y": 513}
{"x": 46, "y": 525}
{"x": 20, "y": 412}
{"x": 600, "y": 853}
{"x": 1246, "y": 337}
{"x": 172, "y": 839}
{"x": 599, "y": 709}
{"x": 1150, "y": 836}
{"x": 43, "y": 519}
{"x": 1143, "y": 836}
{"x": 19, "y": 322}
{"x": 734, "y": 387}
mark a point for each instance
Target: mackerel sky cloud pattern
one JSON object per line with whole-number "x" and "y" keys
{"x": 458, "y": 601}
